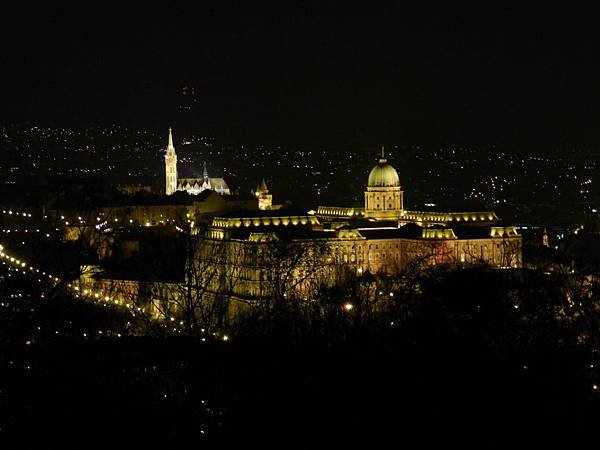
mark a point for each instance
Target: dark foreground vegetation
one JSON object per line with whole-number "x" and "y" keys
{"x": 459, "y": 356}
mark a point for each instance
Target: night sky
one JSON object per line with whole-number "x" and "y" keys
{"x": 311, "y": 73}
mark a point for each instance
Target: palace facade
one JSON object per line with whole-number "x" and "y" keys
{"x": 255, "y": 250}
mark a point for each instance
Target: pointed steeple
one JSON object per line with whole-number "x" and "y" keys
{"x": 170, "y": 145}
{"x": 205, "y": 172}
{"x": 170, "y": 166}
{"x": 263, "y": 186}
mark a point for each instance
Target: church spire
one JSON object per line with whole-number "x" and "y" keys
{"x": 170, "y": 145}
{"x": 205, "y": 172}
{"x": 170, "y": 166}
{"x": 263, "y": 186}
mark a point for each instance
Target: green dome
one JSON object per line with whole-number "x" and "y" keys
{"x": 383, "y": 175}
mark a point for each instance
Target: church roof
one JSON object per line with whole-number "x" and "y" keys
{"x": 189, "y": 181}
{"x": 215, "y": 183}
{"x": 218, "y": 183}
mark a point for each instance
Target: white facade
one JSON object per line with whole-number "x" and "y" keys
{"x": 193, "y": 186}
{"x": 170, "y": 167}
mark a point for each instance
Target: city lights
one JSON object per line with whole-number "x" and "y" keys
{"x": 299, "y": 223}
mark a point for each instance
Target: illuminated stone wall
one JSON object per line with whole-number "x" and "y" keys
{"x": 252, "y": 268}
{"x": 383, "y": 202}
{"x": 265, "y": 201}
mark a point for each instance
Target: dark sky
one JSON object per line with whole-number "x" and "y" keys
{"x": 310, "y": 72}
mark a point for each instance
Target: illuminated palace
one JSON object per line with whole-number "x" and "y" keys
{"x": 192, "y": 186}
{"x": 381, "y": 237}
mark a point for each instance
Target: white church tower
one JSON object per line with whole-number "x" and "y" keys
{"x": 170, "y": 167}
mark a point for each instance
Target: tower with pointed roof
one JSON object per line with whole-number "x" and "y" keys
{"x": 265, "y": 200}
{"x": 383, "y": 197}
{"x": 545, "y": 240}
{"x": 170, "y": 167}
